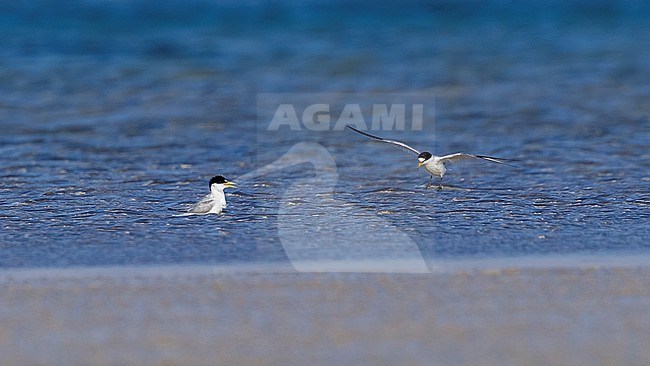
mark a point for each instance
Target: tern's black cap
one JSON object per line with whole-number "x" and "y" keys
{"x": 425, "y": 155}
{"x": 217, "y": 179}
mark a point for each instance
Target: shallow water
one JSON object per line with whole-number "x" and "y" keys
{"x": 115, "y": 115}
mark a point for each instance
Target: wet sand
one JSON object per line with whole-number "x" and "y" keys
{"x": 587, "y": 314}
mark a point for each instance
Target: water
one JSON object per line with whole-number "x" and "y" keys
{"x": 116, "y": 114}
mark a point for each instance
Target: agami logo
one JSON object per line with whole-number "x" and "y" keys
{"x": 317, "y": 117}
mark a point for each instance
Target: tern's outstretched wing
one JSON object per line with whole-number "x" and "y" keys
{"x": 462, "y": 157}
{"x": 396, "y": 143}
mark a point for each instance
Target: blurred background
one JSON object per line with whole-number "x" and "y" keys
{"x": 115, "y": 114}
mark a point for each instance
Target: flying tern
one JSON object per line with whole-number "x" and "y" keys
{"x": 435, "y": 165}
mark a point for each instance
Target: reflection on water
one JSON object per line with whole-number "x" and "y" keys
{"x": 115, "y": 114}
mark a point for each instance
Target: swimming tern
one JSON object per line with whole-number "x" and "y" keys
{"x": 214, "y": 202}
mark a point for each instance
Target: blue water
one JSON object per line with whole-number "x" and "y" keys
{"x": 114, "y": 116}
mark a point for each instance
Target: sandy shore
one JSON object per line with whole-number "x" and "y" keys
{"x": 587, "y": 314}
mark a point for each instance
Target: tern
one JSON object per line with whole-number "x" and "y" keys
{"x": 214, "y": 202}
{"x": 435, "y": 165}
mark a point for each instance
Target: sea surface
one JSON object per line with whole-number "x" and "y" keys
{"x": 115, "y": 114}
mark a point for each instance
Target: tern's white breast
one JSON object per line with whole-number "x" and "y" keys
{"x": 435, "y": 167}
